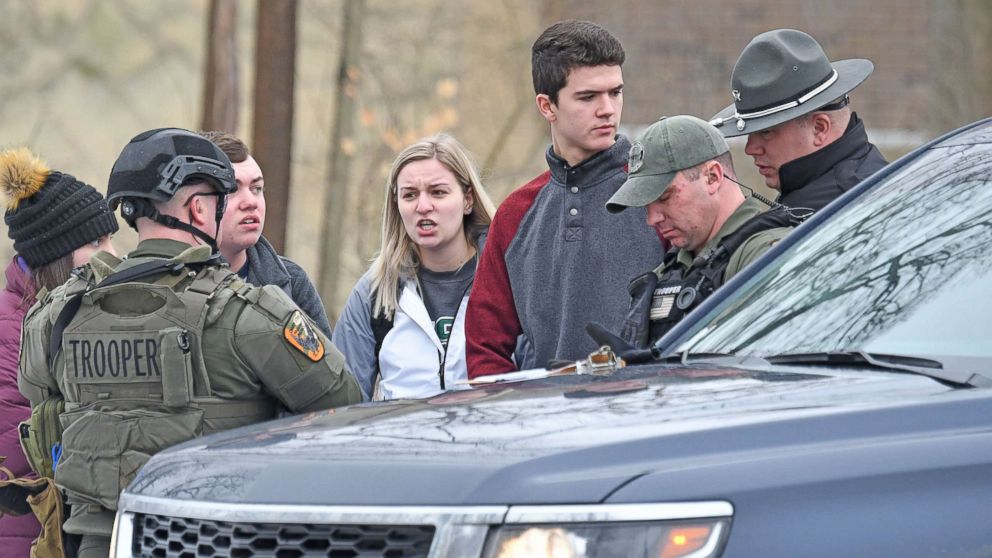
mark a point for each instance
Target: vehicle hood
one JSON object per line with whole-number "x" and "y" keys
{"x": 569, "y": 439}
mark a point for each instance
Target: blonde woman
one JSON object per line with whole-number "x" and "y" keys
{"x": 403, "y": 327}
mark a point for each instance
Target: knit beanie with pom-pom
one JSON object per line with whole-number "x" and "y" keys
{"x": 49, "y": 214}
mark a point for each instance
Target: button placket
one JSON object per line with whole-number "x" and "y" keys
{"x": 573, "y": 209}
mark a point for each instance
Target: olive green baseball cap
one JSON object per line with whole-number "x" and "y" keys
{"x": 671, "y": 144}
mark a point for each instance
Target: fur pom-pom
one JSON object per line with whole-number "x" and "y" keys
{"x": 22, "y": 174}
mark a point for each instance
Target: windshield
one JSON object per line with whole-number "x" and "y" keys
{"x": 902, "y": 270}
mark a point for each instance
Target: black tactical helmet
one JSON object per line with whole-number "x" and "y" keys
{"x": 154, "y": 164}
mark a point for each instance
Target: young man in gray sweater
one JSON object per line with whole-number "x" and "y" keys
{"x": 555, "y": 260}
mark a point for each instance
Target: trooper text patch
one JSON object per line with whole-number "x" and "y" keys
{"x": 303, "y": 337}
{"x": 116, "y": 359}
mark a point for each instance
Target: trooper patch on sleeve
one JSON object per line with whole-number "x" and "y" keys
{"x": 303, "y": 336}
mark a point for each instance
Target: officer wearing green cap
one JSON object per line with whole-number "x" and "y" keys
{"x": 681, "y": 169}
{"x": 167, "y": 344}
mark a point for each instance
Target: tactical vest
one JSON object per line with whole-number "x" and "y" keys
{"x": 658, "y": 302}
{"x": 134, "y": 379}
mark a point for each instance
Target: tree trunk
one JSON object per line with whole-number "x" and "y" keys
{"x": 340, "y": 156}
{"x": 272, "y": 130}
{"x": 220, "y": 83}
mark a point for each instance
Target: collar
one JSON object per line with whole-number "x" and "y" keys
{"x": 263, "y": 263}
{"x": 741, "y": 215}
{"x": 22, "y": 263}
{"x": 159, "y": 248}
{"x": 799, "y": 172}
{"x": 173, "y": 250}
{"x": 17, "y": 278}
{"x": 599, "y": 165}
{"x": 162, "y": 248}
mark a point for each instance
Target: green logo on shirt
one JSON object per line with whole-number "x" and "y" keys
{"x": 443, "y": 327}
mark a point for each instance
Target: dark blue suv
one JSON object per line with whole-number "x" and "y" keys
{"x": 834, "y": 399}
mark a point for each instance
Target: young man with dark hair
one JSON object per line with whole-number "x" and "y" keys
{"x": 555, "y": 259}
{"x": 241, "y": 241}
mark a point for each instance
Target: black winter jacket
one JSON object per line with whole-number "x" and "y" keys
{"x": 817, "y": 179}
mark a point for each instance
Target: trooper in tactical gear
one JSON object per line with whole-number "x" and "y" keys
{"x": 681, "y": 169}
{"x": 167, "y": 344}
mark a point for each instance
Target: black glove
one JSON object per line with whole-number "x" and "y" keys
{"x": 631, "y": 354}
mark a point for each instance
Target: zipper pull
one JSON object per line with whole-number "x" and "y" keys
{"x": 440, "y": 371}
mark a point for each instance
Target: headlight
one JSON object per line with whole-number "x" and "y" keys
{"x": 620, "y": 537}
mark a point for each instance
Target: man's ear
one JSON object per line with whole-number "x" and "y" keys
{"x": 198, "y": 211}
{"x": 713, "y": 173}
{"x": 821, "y": 125}
{"x": 547, "y": 108}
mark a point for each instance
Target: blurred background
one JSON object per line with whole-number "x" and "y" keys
{"x": 326, "y": 92}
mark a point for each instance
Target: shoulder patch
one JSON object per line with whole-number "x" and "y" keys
{"x": 303, "y": 336}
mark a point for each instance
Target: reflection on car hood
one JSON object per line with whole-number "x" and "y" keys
{"x": 547, "y": 441}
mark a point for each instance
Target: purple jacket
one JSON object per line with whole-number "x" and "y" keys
{"x": 16, "y": 533}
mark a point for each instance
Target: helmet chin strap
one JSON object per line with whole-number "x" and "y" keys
{"x": 144, "y": 209}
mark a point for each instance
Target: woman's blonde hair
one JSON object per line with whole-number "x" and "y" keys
{"x": 398, "y": 257}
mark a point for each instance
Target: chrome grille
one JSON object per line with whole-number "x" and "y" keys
{"x": 157, "y": 536}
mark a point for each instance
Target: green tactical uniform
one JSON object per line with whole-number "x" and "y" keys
{"x": 661, "y": 298}
{"x": 145, "y": 365}
{"x": 753, "y": 247}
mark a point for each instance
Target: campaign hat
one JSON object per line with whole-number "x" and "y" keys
{"x": 781, "y": 75}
